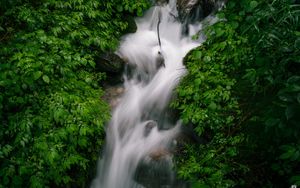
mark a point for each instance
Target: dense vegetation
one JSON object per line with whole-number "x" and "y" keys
{"x": 241, "y": 94}
{"x": 51, "y": 114}
{"x": 242, "y": 97}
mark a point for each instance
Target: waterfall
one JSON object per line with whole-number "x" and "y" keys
{"x": 141, "y": 131}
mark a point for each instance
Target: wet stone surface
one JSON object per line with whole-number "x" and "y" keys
{"x": 113, "y": 95}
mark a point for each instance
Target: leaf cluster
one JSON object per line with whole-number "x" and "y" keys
{"x": 51, "y": 109}
{"x": 241, "y": 95}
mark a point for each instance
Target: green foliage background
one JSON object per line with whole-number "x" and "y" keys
{"x": 242, "y": 97}
{"x": 51, "y": 114}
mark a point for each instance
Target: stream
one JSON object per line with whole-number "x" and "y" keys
{"x": 141, "y": 136}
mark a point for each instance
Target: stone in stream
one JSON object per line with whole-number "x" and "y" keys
{"x": 159, "y": 153}
{"x": 110, "y": 63}
{"x": 160, "y": 61}
{"x": 148, "y": 127}
{"x": 190, "y": 11}
{"x": 161, "y": 2}
{"x": 113, "y": 94}
{"x": 195, "y": 10}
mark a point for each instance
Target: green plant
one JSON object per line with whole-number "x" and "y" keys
{"x": 51, "y": 113}
{"x": 241, "y": 96}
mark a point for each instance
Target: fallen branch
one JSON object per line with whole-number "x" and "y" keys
{"x": 159, "y": 18}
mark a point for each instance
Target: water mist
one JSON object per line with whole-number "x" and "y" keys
{"x": 140, "y": 131}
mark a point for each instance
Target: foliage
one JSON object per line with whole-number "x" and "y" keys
{"x": 242, "y": 96}
{"x": 50, "y": 106}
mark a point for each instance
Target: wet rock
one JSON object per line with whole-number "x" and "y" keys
{"x": 110, "y": 63}
{"x": 195, "y": 9}
{"x": 161, "y": 2}
{"x": 148, "y": 128}
{"x": 159, "y": 154}
{"x": 185, "y": 7}
{"x": 190, "y": 11}
{"x": 113, "y": 95}
{"x": 157, "y": 174}
{"x": 160, "y": 61}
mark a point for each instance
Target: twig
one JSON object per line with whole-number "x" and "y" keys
{"x": 159, "y": 18}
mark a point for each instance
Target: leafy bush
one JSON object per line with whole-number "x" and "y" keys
{"x": 51, "y": 114}
{"x": 242, "y": 96}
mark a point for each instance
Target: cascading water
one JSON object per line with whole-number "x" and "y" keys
{"x": 140, "y": 131}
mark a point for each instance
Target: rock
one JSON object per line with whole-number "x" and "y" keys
{"x": 148, "y": 128}
{"x": 185, "y": 7}
{"x": 161, "y": 2}
{"x": 197, "y": 9}
{"x": 120, "y": 90}
{"x": 113, "y": 94}
{"x": 159, "y": 154}
{"x": 110, "y": 63}
{"x": 160, "y": 61}
{"x": 190, "y": 11}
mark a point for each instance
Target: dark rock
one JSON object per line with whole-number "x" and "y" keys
{"x": 113, "y": 94}
{"x": 160, "y": 61}
{"x": 110, "y": 63}
{"x": 161, "y": 2}
{"x": 195, "y": 9}
{"x": 159, "y": 153}
{"x": 190, "y": 11}
{"x": 148, "y": 128}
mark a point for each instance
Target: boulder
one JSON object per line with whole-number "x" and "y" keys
{"x": 158, "y": 154}
{"x": 113, "y": 94}
{"x": 161, "y": 2}
{"x": 110, "y": 63}
{"x": 190, "y": 11}
{"x": 148, "y": 128}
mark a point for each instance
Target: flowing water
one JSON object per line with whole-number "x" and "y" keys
{"x": 141, "y": 132}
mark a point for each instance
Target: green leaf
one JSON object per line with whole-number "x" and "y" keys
{"x": 295, "y": 180}
{"x": 212, "y": 106}
{"x": 120, "y": 8}
{"x": 288, "y": 154}
{"x": 207, "y": 59}
{"x": 219, "y": 32}
{"x": 234, "y": 25}
{"x": 17, "y": 181}
{"x": 272, "y": 122}
{"x": 140, "y": 12}
{"x": 198, "y": 81}
{"x": 197, "y": 54}
{"x": 199, "y": 185}
{"x": 46, "y": 79}
{"x": 253, "y": 4}
{"x": 289, "y": 112}
{"x": 221, "y": 15}
{"x": 231, "y": 4}
{"x": 37, "y": 75}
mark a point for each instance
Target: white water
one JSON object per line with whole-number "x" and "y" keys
{"x": 140, "y": 131}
